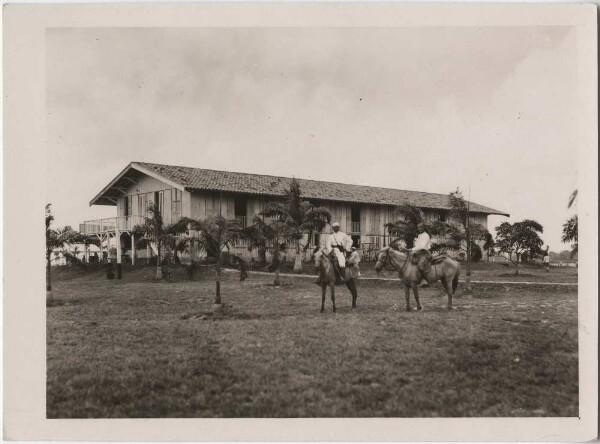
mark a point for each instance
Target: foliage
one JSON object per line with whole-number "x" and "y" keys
{"x": 570, "y": 234}
{"x": 518, "y": 238}
{"x": 216, "y": 234}
{"x": 287, "y": 223}
{"x": 161, "y": 235}
{"x": 55, "y": 239}
{"x": 476, "y": 253}
{"x": 489, "y": 244}
{"x": 405, "y": 228}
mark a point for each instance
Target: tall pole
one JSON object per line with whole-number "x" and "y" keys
{"x": 118, "y": 239}
{"x": 132, "y": 248}
{"x": 468, "y": 232}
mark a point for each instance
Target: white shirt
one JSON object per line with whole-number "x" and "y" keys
{"x": 546, "y": 259}
{"x": 354, "y": 258}
{"x": 422, "y": 242}
{"x": 339, "y": 238}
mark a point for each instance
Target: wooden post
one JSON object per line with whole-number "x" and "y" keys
{"x": 132, "y": 249}
{"x": 118, "y": 239}
{"x": 107, "y": 246}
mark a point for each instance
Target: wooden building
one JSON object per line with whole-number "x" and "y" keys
{"x": 362, "y": 211}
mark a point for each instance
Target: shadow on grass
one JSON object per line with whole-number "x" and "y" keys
{"x": 62, "y": 302}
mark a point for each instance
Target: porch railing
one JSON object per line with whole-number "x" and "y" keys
{"x": 98, "y": 226}
{"x": 243, "y": 220}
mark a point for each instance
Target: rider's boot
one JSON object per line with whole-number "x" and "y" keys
{"x": 341, "y": 275}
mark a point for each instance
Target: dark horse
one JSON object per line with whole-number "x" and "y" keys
{"x": 443, "y": 269}
{"x": 328, "y": 275}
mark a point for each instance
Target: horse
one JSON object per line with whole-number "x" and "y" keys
{"x": 443, "y": 269}
{"x": 328, "y": 276}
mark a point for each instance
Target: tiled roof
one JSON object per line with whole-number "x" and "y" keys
{"x": 202, "y": 179}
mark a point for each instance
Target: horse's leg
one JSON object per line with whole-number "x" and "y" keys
{"x": 351, "y": 284}
{"x": 445, "y": 284}
{"x": 416, "y": 292}
{"x": 323, "y": 291}
{"x": 450, "y": 289}
{"x": 407, "y": 296}
{"x": 332, "y": 286}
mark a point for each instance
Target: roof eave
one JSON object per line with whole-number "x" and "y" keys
{"x": 132, "y": 165}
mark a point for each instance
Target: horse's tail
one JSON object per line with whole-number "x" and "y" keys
{"x": 455, "y": 280}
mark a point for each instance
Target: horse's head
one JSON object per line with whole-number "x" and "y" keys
{"x": 382, "y": 259}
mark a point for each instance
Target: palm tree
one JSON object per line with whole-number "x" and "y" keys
{"x": 215, "y": 235}
{"x": 406, "y": 227}
{"x": 570, "y": 234}
{"x": 464, "y": 232}
{"x": 272, "y": 235}
{"x": 301, "y": 219}
{"x": 162, "y": 236}
{"x": 54, "y": 239}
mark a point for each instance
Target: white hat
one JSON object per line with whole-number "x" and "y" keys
{"x": 335, "y": 224}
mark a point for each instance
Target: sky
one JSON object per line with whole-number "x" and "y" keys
{"x": 490, "y": 110}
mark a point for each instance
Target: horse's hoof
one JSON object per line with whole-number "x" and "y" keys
{"x": 407, "y": 308}
{"x": 322, "y": 310}
{"x": 419, "y": 308}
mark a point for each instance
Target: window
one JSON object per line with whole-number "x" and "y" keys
{"x": 176, "y": 205}
{"x": 128, "y": 205}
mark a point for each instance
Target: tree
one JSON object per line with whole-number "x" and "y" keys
{"x": 54, "y": 239}
{"x": 298, "y": 220}
{"x": 162, "y": 236}
{"x": 570, "y": 228}
{"x": 216, "y": 234}
{"x": 489, "y": 245}
{"x": 464, "y": 233}
{"x": 271, "y": 234}
{"x": 405, "y": 228}
{"x": 518, "y": 238}
{"x": 570, "y": 234}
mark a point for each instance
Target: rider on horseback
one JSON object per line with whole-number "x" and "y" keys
{"x": 339, "y": 243}
{"x": 422, "y": 249}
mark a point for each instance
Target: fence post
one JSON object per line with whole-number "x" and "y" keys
{"x": 118, "y": 239}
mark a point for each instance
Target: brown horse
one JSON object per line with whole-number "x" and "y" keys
{"x": 327, "y": 275}
{"x": 444, "y": 269}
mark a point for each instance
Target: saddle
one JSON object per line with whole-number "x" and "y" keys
{"x": 414, "y": 259}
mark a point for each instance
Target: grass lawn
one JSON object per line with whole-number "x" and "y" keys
{"x": 136, "y": 348}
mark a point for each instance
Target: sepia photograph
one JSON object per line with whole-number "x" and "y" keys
{"x": 316, "y": 221}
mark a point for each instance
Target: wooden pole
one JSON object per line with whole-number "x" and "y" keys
{"x": 108, "y": 245}
{"x": 132, "y": 249}
{"x": 118, "y": 239}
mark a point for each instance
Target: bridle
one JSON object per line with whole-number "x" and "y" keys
{"x": 387, "y": 259}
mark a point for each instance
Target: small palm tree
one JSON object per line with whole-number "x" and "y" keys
{"x": 162, "y": 236}
{"x": 570, "y": 234}
{"x": 405, "y": 228}
{"x": 272, "y": 235}
{"x": 54, "y": 239}
{"x": 216, "y": 235}
{"x": 301, "y": 220}
{"x": 464, "y": 232}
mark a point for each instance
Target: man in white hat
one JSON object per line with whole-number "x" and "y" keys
{"x": 340, "y": 243}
